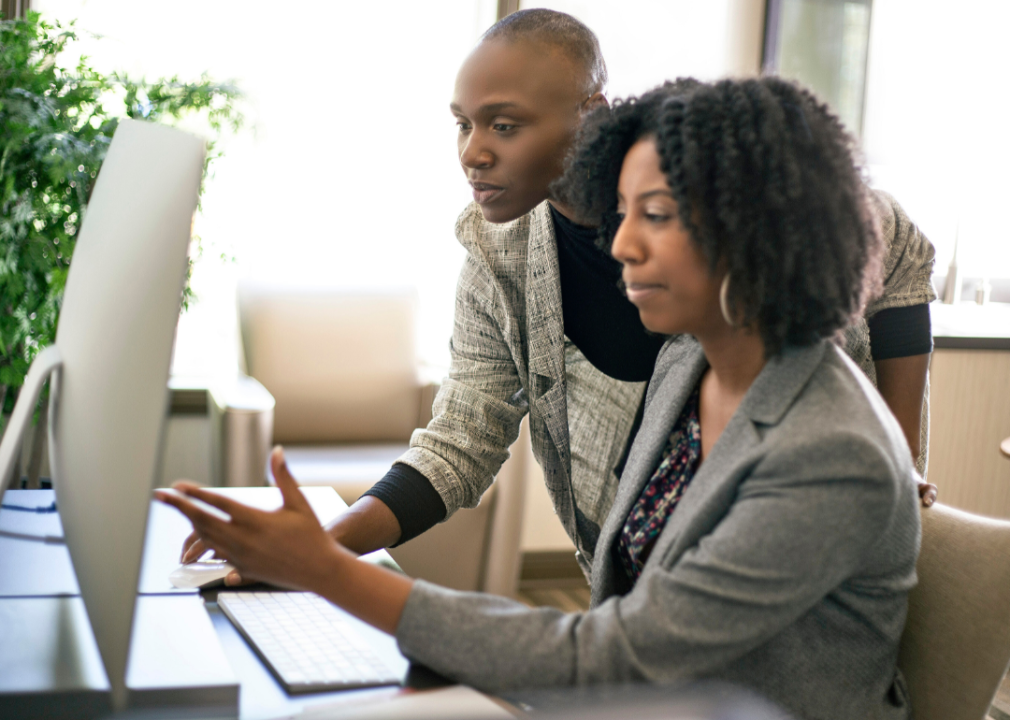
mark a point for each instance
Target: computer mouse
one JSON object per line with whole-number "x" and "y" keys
{"x": 203, "y": 574}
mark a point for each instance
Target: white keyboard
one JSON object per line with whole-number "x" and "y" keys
{"x": 308, "y": 643}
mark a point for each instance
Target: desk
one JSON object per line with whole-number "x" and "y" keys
{"x": 46, "y": 644}
{"x": 967, "y": 326}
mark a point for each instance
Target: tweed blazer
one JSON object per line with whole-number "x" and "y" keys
{"x": 510, "y": 356}
{"x": 785, "y": 567}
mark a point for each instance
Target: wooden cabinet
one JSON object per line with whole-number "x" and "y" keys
{"x": 969, "y": 417}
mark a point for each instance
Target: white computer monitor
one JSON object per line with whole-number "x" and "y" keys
{"x": 110, "y": 365}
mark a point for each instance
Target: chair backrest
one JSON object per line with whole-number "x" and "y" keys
{"x": 956, "y": 646}
{"x": 341, "y": 365}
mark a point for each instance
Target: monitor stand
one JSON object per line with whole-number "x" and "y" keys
{"x": 45, "y": 364}
{"x": 49, "y": 662}
{"x": 50, "y": 665}
{"x": 176, "y": 659}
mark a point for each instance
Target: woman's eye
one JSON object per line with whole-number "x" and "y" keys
{"x": 656, "y": 217}
{"x": 462, "y": 126}
{"x": 503, "y": 127}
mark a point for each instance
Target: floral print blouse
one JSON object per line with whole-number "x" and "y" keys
{"x": 661, "y": 494}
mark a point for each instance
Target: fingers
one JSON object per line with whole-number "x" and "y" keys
{"x": 927, "y": 493}
{"x": 293, "y": 497}
{"x": 208, "y": 527}
{"x": 198, "y": 551}
{"x": 193, "y": 549}
{"x": 235, "y": 509}
{"x": 233, "y": 578}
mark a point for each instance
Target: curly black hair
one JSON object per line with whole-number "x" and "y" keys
{"x": 767, "y": 185}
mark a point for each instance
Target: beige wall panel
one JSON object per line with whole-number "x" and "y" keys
{"x": 970, "y": 415}
{"x": 746, "y": 25}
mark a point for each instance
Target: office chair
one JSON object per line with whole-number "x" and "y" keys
{"x": 956, "y": 646}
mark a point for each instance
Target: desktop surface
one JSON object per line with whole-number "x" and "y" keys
{"x": 37, "y": 580}
{"x": 34, "y": 561}
{"x": 48, "y": 648}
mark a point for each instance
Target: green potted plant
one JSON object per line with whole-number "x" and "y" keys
{"x": 56, "y": 123}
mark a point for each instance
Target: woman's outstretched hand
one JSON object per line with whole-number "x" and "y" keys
{"x": 287, "y": 547}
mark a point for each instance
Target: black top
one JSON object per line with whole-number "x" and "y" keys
{"x": 598, "y": 318}
{"x": 900, "y": 332}
{"x": 606, "y": 327}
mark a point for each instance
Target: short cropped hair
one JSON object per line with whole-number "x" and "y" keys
{"x": 766, "y": 184}
{"x": 559, "y": 30}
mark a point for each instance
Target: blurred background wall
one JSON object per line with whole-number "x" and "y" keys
{"x": 347, "y": 174}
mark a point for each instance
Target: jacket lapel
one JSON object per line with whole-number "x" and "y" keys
{"x": 546, "y": 329}
{"x": 713, "y": 488}
{"x": 780, "y": 382}
{"x": 678, "y": 369}
{"x": 544, "y": 319}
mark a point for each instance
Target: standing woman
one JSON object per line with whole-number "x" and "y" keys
{"x": 766, "y": 526}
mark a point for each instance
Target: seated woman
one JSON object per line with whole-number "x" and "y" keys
{"x": 766, "y": 527}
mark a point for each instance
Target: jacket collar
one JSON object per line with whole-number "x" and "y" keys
{"x": 678, "y": 369}
{"x": 780, "y": 381}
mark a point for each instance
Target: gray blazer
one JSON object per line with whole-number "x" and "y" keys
{"x": 785, "y": 568}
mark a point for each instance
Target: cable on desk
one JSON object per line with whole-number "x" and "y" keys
{"x": 47, "y": 539}
{"x": 51, "y": 508}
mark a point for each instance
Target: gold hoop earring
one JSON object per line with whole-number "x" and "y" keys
{"x": 724, "y": 301}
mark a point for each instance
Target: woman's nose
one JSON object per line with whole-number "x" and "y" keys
{"x": 626, "y": 247}
{"x": 473, "y": 154}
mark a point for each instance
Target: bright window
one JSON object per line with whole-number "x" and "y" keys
{"x": 935, "y": 130}
{"x": 648, "y": 41}
{"x": 348, "y": 175}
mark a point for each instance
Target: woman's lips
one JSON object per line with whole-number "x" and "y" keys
{"x": 484, "y": 193}
{"x": 637, "y": 292}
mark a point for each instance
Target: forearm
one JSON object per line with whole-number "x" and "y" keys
{"x": 371, "y": 593}
{"x": 901, "y": 340}
{"x": 367, "y": 525}
{"x": 902, "y": 383}
{"x": 719, "y": 601}
{"x": 489, "y": 642}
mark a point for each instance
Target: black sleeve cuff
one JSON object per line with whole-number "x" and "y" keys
{"x": 412, "y": 498}
{"x": 901, "y": 332}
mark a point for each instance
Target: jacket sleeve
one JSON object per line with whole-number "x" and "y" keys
{"x": 760, "y": 569}
{"x": 908, "y": 259}
{"x": 478, "y": 409}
